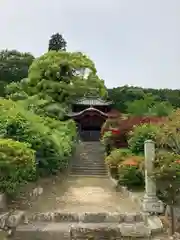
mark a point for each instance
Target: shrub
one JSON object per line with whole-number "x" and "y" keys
{"x": 52, "y": 140}
{"x": 125, "y": 126}
{"x": 17, "y": 165}
{"x": 115, "y": 158}
{"x": 167, "y": 177}
{"x": 129, "y": 171}
{"x": 169, "y": 135}
{"x": 106, "y": 141}
{"x": 139, "y": 135}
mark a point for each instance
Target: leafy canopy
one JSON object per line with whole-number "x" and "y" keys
{"x": 14, "y": 65}
{"x": 60, "y": 76}
{"x": 149, "y": 106}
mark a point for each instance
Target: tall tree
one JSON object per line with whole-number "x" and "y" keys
{"x": 124, "y": 94}
{"x": 14, "y": 65}
{"x": 59, "y": 77}
{"x": 57, "y": 42}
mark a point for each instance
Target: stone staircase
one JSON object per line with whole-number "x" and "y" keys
{"x": 86, "y": 226}
{"x": 92, "y": 220}
{"x": 89, "y": 160}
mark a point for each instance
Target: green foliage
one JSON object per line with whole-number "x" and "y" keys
{"x": 2, "y": 88}
{"x": 124, "y": 94}
{"x": 149, "y": 106}
{"x": 115, "y": 158}
{"x": 14, "y": 65}
{"x": 140, "y": 134}
{"x": 130, "y": 176}
{"x": 167, "y": 177}
{"x": 161, "y": 109}
{"x": 62, "y": 76}
{"x": 17, "y": 90}
{"x": 105, "y": 140}
{"x": 121, "y": 95}
{"x": 44, "y": 107}
{"x": 169, "y": 134}
{"x": 53, "y": 145}
{"x": 57, "y": 42}
{"x": 17, "y": 165}
{"x": 141, "y": 107}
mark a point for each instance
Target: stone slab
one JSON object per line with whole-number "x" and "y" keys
{"x": 15, "y": 219}
{"x": 134, "y": 230}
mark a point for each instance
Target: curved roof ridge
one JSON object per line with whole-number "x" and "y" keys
{"x": 87, "y": 110}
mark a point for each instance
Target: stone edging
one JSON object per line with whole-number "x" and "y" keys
{"x": 124, "y": 190}
{"x": 9, "y": 221}
{"x": 153, "y": 222}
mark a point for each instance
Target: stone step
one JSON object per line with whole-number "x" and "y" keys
{"x": 101, "y": 231}
{"x": 83, "y": 231}
{"x": 89, "y": 168}
{"x": 89, "y": 172}
{"x": 88, "y": 164}
{"x": 100, "y": 217}
{"x": 79, "y": 164}
{"x": 43, "y": 231}
{"x": 90, "y": 161}
{"x": 93, "y": 171}
{"x": 90, "y": 175}
{"x": 65, "y": 225}
{"x": 81, "y": 174}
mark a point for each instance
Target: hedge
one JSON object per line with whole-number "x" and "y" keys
{"x": 52, "y": 140}
{"x": 17, "y": 165}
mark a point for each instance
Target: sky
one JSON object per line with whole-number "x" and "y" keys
{"x": 132, "y": 42}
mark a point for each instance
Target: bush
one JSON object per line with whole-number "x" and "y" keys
{"x": 125, "y": 125}
{"x": 52, "y": 140}
{"x": 167, "y": 177}
{"x": 17, "y": 165}
{"x": 115, "y": 158}
{"x": 139, "y": 135}
{"x": 129, "y": 171}
{"x": 169, "y": 135}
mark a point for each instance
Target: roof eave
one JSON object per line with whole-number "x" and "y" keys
{"x": 87, "y": 110}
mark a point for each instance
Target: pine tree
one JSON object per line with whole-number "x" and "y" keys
{"x": 57, "y": 42}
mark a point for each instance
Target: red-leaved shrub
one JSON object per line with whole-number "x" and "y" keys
{"x": 124, "y": 126}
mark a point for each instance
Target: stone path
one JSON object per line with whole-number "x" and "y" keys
{"x": 82, "y": 194}
{"x": 93, "y": 192}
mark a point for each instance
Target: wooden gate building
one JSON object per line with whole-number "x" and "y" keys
{"x": 90, "y": 114}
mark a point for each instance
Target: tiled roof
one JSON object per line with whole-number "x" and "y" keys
{"x": 92, "y": 102}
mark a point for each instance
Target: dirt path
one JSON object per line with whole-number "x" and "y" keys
{"x": 82, "y": 194}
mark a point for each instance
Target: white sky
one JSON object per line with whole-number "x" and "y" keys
{"x": 135, "y": 42}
